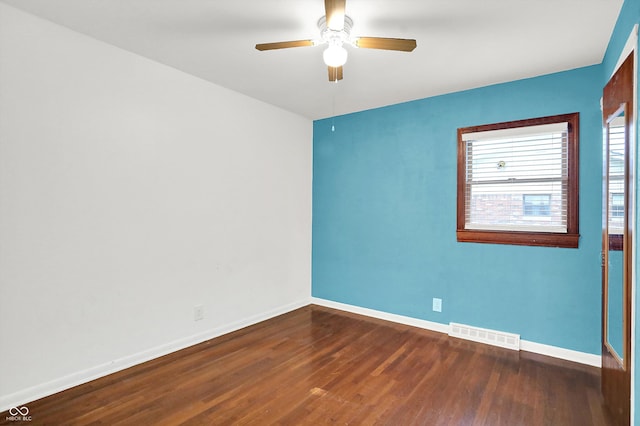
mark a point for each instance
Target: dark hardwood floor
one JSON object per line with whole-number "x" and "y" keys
{"x": 318, "y": 366}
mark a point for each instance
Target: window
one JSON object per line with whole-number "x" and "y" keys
{"x": 536, "y": 205}
{"x": 518, "y": 182}
{"x": 617, "y": 205}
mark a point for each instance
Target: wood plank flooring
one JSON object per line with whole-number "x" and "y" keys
{"x": 317, "y": 366}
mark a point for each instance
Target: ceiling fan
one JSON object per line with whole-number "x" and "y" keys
{"x": 335, "y": 30}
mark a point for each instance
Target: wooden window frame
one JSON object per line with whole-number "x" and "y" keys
{"x": 544, "y": 239}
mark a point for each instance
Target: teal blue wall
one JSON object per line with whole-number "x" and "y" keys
{"x": 384, "y": 216}
{"x": 629, "y": 16}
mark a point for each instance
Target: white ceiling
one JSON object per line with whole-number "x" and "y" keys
{"x": 462, "y": 44}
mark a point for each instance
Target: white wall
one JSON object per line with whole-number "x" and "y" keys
{"x": 129, "y": 193}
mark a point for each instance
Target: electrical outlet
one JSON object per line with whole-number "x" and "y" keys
{"x": 437, "y": 304}
{"x": 198, "y": 312}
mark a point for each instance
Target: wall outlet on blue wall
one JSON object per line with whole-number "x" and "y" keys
{"x": 437, "y": 304}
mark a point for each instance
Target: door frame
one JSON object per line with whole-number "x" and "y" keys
{"x": 632, "y": 46}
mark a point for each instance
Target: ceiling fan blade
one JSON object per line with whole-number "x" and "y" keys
{"x": 335, "y": 73}
{"x": 284, "y": 44}
{"x": 334, "y": 9}
{"x": 402, "y": 44}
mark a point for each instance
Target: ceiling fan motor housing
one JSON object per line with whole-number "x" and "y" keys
{"x": 335, "y": 37}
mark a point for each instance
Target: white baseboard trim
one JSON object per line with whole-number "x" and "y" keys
{"x": 23, "y": 397}
{"x": 525, "y": 345}
{"x": 561, "y": 353}
{"x": 400, "y": 319}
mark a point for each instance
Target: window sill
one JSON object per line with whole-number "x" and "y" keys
{"x": 542, "y": 239}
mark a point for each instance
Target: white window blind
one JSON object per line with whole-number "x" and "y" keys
{"x": 517, "y": 179}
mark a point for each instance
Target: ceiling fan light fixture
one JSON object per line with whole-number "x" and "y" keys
{"x": 335, "y": 55}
